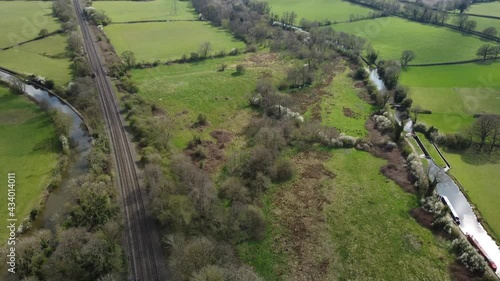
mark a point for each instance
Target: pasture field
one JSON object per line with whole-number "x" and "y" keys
{"x": 487, "y": 9}
{"x": 482, "y": 23}
{"x": 44, "y": 57}
{"x": 391, "y": 36}
{"x": 481, "y": 183}
{"x": 454, "y": 93}
{"x": 168, "y": 40}
{"x": 186, "y": 90}
{"x": 122, "y": 11}
{"x": 363, "y": 226}
{"x": 28, "y": 147}
{"x": 320, "y": 10}
{"x": 343, "y": 109}
{"x": 22, "y": 20}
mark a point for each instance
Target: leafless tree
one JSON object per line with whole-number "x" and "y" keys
{"x": 17, "y": 86}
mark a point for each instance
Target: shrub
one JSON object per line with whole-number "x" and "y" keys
{"x": 232, "y": 189}
{"x": 252, "y": 222}
{"x": 360, "y": 74}
{"x": 201, "y": 120}
{"x": 420, "y": 127}
{"x": 400, "y": 93}
{"x": 240, "y": 69}
{"x": 283, "y": 170}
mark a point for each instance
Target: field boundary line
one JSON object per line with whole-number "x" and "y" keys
{"x": 147, "y": 21}
{"x": 59, "y": 31}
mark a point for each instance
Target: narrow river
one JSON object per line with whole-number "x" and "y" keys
{"x": 447, "y": 187}
{"x": 80, "y": 148}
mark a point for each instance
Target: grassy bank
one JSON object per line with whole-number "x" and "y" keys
{"x": 28, "y": 147}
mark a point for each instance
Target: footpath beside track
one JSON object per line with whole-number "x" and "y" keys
{"x": 145, "y": 259}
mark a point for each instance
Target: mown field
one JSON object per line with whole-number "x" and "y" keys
{"x": 454, "y": 94}
{"x": 44, "y": 57}
{"x": 166, "y": 41}
{"x": 28, "y": 147}
{"x": 186, "y": 90}
{"x": 23, "y": 20}
{"x": 319, "y": 10}
{"x": 390, "y": 36}
{"x": 121, "y": 11}
{"x": 488, "y": 9}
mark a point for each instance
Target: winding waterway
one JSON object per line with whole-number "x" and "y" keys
{"x": 80, "y": 148}
{"x": 447, "y": 187}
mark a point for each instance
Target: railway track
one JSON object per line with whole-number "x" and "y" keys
{"x": 145, "y": 259}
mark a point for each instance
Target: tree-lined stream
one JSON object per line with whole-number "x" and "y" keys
{"x": 80, "y": 148}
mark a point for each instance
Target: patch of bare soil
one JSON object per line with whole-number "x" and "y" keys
{"x": 299, "y": 209}
{"x": 360, "y": 84}
{"x": 207, "y": 154}
{"x": 222, "y": 137}
{"x": 260, "y": 59}
{"x": 423, "y": 217}
{"x": 396, "y": 168}
{"x": 349, "y": 113}
{"x": 459, "y": 272}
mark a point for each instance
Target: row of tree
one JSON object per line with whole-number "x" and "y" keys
{"x": 87, "y": 242}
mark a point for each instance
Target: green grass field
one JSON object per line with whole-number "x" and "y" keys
{"x": 334, "y": 10}
{"x": 454, "y": 93}
{"x": 23, "y": 20}
{"x": 37, "y": 57}
{"x": 28, "y": 147}
{"x": 371, "y": 228}
{"x": 390, "y": 36}
{"x": 481, "y": 184}
{"x": 166, "y": 41}
{"x": 482, "y": 23}
{"x": 343, "y": 96}
{"x": 120, "y": 11}
{"x": 366, "y": 225}
{"x": 185, "y": 90}
{"x": 488, "y": 9}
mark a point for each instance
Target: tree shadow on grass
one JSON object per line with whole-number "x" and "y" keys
{"x": 473, "y": 157}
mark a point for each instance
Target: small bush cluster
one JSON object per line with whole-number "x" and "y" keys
{"x": 383, "y": 123}
{"x": 468, "y": 256}
{"x": 419, "y": 176}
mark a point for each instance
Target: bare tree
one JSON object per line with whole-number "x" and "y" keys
{"x": 17, "y": 86}
{"x": 495, "y": 134}
{"x": 407, "y": 56}
{"x": 483, "y": 128}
